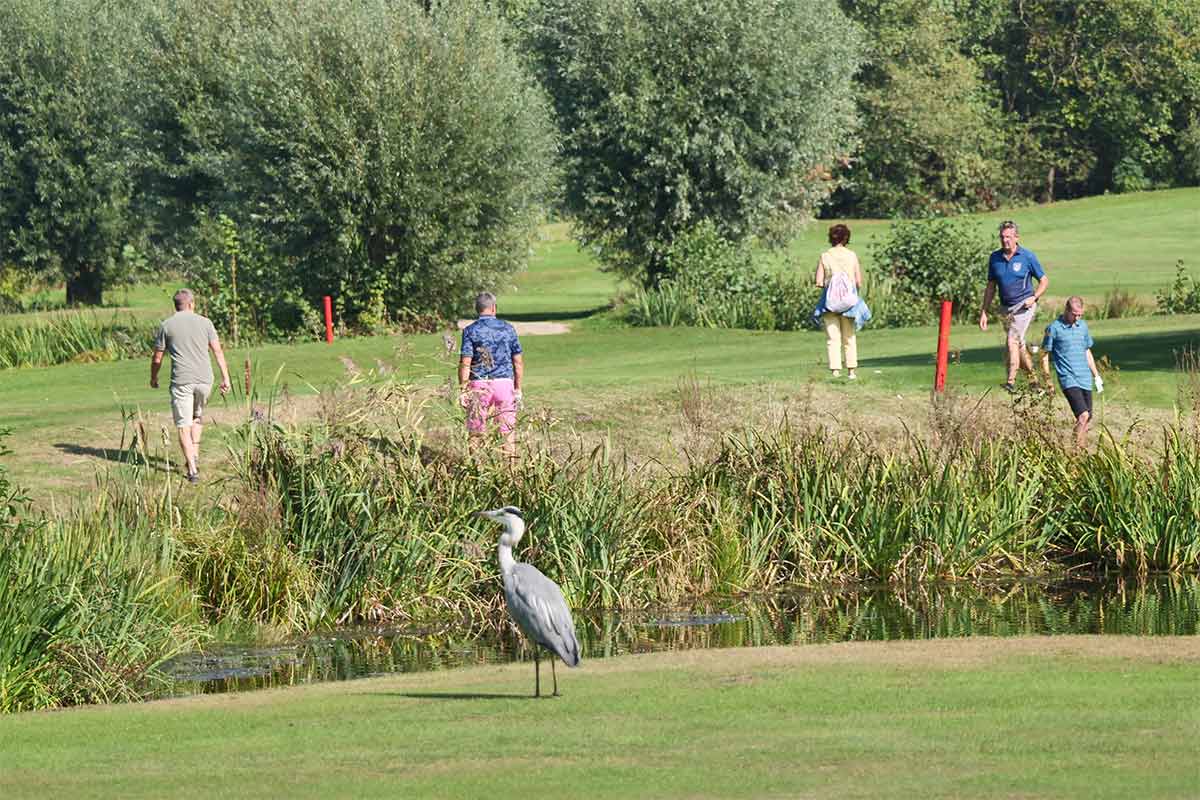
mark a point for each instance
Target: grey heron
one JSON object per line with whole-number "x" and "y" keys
{"x": 534, "y": 601}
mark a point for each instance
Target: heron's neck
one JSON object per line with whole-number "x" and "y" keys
{"x": 504, "y": 552}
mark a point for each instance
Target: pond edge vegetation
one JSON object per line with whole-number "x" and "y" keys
{"x": 353, "y": 520}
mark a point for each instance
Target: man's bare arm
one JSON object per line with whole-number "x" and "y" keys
{"x": 155, "y": 363}
{"x": 1043, "y": 284}
{"x": 518, "y": 371}
{"x": 464, "y": 371}
{"x": 987, "y": 301}
{"x": 215, "y": 346}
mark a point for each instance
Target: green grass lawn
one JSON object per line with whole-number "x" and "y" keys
{"x": 1087, "y": 246}
{"x": 627, "y": 384}
{"x": 983, "y": 718}
{"x": 596, "y": 378}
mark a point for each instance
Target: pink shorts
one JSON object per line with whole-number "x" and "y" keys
{"x": 491, "y": 399}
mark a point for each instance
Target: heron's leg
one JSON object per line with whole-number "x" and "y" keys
{"x": 537, "y": 673}
{"x": 555, "y": 674}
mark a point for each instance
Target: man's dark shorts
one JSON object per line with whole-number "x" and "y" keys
{"x": 1080, "y": 400}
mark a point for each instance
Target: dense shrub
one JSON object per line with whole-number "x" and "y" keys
{"x": 68, "y": 143}
{"x": 1120, "y": 303}
{"x": 80, "y": 337}
{"x": 936, "y": 138}
{"x": 716, "y": 283}
{"x": 91, "y": 607}
{"x": 933, "y": 260}
{"x": 395, "y": 155}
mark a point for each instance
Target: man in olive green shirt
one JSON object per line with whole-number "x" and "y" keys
{"x": 188, "y": 337}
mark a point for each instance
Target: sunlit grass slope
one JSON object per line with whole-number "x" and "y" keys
{"x": 604, "y": 373}
{"x": 982, "y": 718}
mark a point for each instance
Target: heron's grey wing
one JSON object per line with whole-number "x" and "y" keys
{"x": 538, "y": 606}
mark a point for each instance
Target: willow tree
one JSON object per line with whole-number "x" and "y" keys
{"x": 392, "y": 153}
{"x": 68, "y": 142}
{"x": 674, "y": 112}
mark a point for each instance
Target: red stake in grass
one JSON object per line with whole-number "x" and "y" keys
{"x": 943, "y": 351}
{"x": 328, "y": 319}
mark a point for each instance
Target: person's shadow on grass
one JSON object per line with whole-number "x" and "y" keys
{"x": 117, "y": 456}
{"x": 455, "y": 695}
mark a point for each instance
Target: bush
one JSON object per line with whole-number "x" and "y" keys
{"x": 1120, "y": 303}
{"x": 892, "y": 307}
{"x": 68, "y": 143}
{"x": 90, "y": 609}
{"x": 933, "y": 260}
{"x": 79, "y": 337}
{"x": 1182, "y": 296}
{"x": 716, "y": 283}
{"x": 1129, "y": 176}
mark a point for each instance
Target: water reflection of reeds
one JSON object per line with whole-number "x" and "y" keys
{"x": 1168, "y": 606}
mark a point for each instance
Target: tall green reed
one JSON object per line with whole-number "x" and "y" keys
{"x": 92, "y": 603}
{"x": 357, "y": 518}
{"x": 71, "y": 336}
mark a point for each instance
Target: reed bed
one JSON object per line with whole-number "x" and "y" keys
{"x": 82, "y": 337}
{"x": 356, "y": 518}
{"x": 92, "y": 605}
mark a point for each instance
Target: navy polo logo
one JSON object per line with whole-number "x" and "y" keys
{"x": 1016, "y": 266}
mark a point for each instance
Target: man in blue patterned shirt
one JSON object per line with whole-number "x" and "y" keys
{"x": 1068, "y": 342}
{"x": 490, "y": 370}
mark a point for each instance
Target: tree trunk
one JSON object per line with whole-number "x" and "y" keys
{"x": 85, "y": 287}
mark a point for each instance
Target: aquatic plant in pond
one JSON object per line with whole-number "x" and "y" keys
{"x": 92, "y": 607}
{"x": 356, "y": 519}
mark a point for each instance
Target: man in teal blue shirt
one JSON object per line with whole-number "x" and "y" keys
{"x": 1068, "y": 343}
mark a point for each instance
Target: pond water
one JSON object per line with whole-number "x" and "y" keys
{"x": 1156, "y": 607}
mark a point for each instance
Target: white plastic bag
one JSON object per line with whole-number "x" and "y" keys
{"x": 842, "y": 294}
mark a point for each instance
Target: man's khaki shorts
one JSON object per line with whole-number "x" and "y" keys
{"x": 187, "y": 402}
{"x": 1016, "y": 321}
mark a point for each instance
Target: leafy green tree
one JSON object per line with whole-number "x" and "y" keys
{"x": 673, "y": 112}
{"x": 1110, "y": 86}
{"x": 934, "y": 136}
{"x": 68, "y": 143}
{"x": 393, "y": 156}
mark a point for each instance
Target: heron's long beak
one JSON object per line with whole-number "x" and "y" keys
{"x": 485, "y": 514}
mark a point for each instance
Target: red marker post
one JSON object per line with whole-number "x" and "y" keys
{"x": 943, "y": 349}
{"x": 328, "y": 319}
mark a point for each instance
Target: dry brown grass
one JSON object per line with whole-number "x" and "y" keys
{"x": 667, "y": 427}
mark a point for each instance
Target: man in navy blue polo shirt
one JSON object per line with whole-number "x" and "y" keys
{"x": 1013, "y": 269}
{"x": 1068, "y": 343}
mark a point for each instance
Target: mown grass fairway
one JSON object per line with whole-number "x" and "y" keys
{"x": 628, "y": 384}
{"x": 982, "y": 718}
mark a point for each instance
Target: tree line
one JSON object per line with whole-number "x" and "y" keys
{"x": 398, "y": 153}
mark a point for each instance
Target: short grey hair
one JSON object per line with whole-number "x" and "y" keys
{"x": 484, "y": 301}
{"x": 1074, "y": 300}
{"x": 183, "y": 298}
{"x": 1008, "y": 223}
